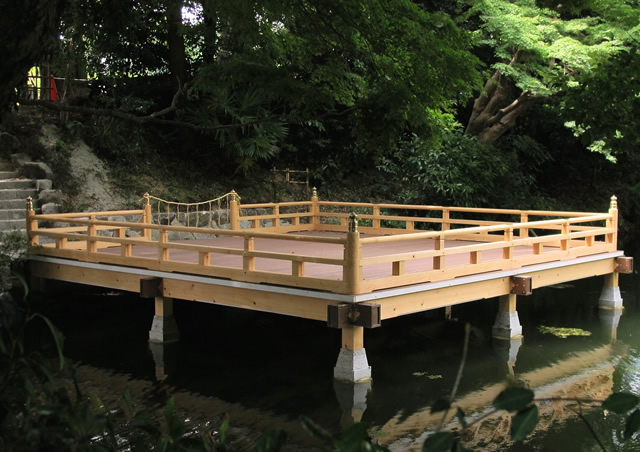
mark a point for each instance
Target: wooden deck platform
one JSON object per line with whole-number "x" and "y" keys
{"x": 319, "y": 260}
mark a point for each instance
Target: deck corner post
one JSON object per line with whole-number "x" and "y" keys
{"x": 164, "y": 328}
{"x": 32, "y": 224}
{"x": 234, "y": 211}
{"x": 507, "y": 324}
{"x": 610, "y": 297}
{"x": 613, "y": 222}
{"x": 315, "y": 208}
{"x": 352, "y": 364}
{"x": 147, "y": 216}
{"x": 352, "y": 270}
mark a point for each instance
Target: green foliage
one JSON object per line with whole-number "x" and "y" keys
{"x": 463, "y": 171}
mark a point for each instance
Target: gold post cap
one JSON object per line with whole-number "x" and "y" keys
{"x": 233, "y": 195}
{"x": 614, "y": 202}
{"x": 29, "y": 203}
{"x": 353, "y": 222}
{"x": 147, "y": 200}
{"x": 314, "y": 192}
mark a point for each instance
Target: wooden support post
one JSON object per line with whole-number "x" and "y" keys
{"x": 164, "y": 328}
{"x": 352, "y": 364}
{"x": 234, "y": 212}
{"x": 507, "y": 324}
{"x": 352, "y": 270}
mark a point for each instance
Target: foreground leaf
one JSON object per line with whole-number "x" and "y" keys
{"x": 438, "y": 442}
{"x": 633, "y": 424}
{"x": 513, "y": 399}
{"x": 440, "y": 405}
{"x": 524, "y": 423}
{"x": 620, "y": 402}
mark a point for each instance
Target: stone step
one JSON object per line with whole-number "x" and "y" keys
{"x": 7, "y": 174}
{"x": 17, "y": 193}
{"x": 17, "y": 184}
{"x": 14, "y": 204}
{"x": 11, "y": 225}
{"x": 13, "y": 214}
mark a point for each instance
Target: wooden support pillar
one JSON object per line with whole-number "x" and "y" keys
{"x": 507, "y": 324}
{"x": 352, "y": 364}
{"x": 610, "y": 297}
{"x": 164, "y": 328}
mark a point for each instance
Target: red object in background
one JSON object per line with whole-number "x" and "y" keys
{"x": 53, "y": 90}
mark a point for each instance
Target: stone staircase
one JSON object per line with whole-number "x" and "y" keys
{"x": 14, "y": 191}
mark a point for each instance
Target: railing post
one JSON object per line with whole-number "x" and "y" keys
{"x": 315, "y": 209}
{"x": 92, "y": 244}
{"x": 507, "y": 251}
{"x": 352, "y": 270}
{"x": 565, "y": 243}
{"x": 147, "y": 217}
{"x": 524, "y": 232}
{"x": 613, "y": 223}
{"x": 32, "y": 224}
{"x": 446, "y": 225}
{"x": 438, "y": 245}
{"x": 234, "y": 212}
{"x": 376, "y": 219}
{"x": 248, "y": 262}
{"x": 276, "y": 217}
{"x": 163, "y": 251}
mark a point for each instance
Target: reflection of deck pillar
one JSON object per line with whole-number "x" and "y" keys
{"x": 164, "y": 357}
{"x": 507, "y": 351}
{"x": 352, "y": 398}
{"x": 164, "y": 328}
{"x": 507, "y": 324}
{"x": 610, "y": 297}
{"x": 609, "y": 319}
{"x": 352, "y": 364}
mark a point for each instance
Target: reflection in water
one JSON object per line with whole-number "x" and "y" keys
{"x": 265, "y": 370}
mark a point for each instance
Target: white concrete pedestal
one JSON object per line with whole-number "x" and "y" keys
{"x": 352, "y": 366}
{"x": 507, "y": 326}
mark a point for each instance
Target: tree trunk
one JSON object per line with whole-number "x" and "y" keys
{"x": 175, "y": 42}
{"x": 494, "y": 111}
{"x": 29, "y": 32}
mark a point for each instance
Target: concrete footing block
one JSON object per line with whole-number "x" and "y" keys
{"x": 610, "y": 298}
{"x": 352, "y": 366}
{"x": 164, "y": 329}
{"x": 507, "y": 326}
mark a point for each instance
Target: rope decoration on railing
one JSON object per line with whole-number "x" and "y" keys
{"x": 213, "y": 211}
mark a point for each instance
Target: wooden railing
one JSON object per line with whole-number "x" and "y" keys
{"x": 448, "y": 242}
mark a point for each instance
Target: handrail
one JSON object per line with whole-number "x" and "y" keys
{"x": 489, "y": 243}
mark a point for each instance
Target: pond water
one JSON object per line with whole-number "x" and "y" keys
{"x": 265, "y": 371}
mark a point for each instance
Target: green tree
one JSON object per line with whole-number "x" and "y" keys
{"x": 541, "y": 53}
